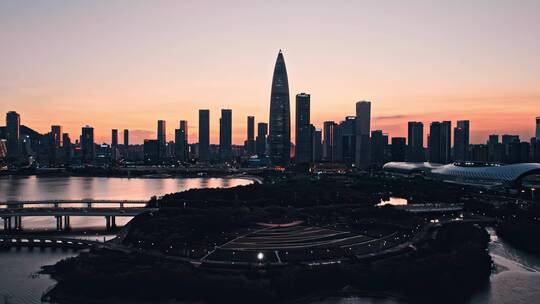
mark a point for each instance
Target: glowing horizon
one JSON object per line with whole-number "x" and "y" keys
{"x": 125, "y": 65}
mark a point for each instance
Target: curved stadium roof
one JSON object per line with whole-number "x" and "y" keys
{"x": 468, "y": 173}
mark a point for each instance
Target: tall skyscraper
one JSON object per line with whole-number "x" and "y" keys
{"x": 250, "y": 141}
{"x": 439, "y": 144}
{"x": 184, "y": 126}
{"x": 262, "y": 131}
{"x": 461, "y": 140}
{"x": 225, "y": 135}
{"x": 126, "y": 138}
{"x": 13, "y": 133}
{"x": 180, "y": 145}
{"x": 56, "y": 136}
{"x": 537, "y": 135}
{"x": 204, "y": 135}
{"x": 280, "y": 118}
{"x": 328, "y": 140}
{"x": 87, "y": 144}
{"x": 415, "y": 145}
{"x": 114, "y": 144}
{"x": 363, "y": 127}
{"x": 379, "y": 144}
{"x": 114, "y": 138}
{"x": 317, "y": 144}
{"x": 303, "y": 133}
{"x": 162, "y": 138}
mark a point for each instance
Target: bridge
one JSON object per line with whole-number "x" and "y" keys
{"x": 431, "y": 208}
{"x": 88, "y": 202}
{"x": 45, "y": 241}
{"x": 14, "y": 211}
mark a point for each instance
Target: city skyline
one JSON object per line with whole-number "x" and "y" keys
{"x": 444, "y": 71}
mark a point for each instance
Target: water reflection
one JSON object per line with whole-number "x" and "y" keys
{"x": 96, "y": 188}
{"x": 394, "y": 201}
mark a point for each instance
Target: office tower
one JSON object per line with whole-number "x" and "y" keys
{"x": 525, "y": 150}
{"x": 162, "y": 138}
{"x": 114, "y": 138}
{"x": 363, "y": 126}
{"x": 151, "y": 150}
{"x": 13, "y": 133}
{"x": 126, "y": 138}
{"x": 303, "y": 133}
{"x": 279, "y": 139}
{"x": 460, "y": 150}
{"x": 184, "y": 126}
{"x": 317, "y": 146}
{"x": 250, "y": 141}
{"x": 344, "y": 141}
{"x": 66, "y": 147}
{"x": 262, "y": 130}
{"x": 479, "y": 153}
{"x": 180, "y": 144}
{"x": 535, "y": 151}
{"x": 225, "y": 136}
{"x": 398, "y": 149}
{"x": 378, "y": 147}
{"x": 328, "y": 140}
{"x": 492, "y": 142}
{"x": 439, "y": 143}
{"x": 204, "y": 135}
{"x": 56, "y": 136}
{"x": 537, "y": 134}
{"x": 87, "y": 144}
{"x": 415, "y": 145}
{"x": 461, "y": 140}
{"x": 185, "y": 130}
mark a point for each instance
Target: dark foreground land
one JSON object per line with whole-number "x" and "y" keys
{"x": 168, "y": 254}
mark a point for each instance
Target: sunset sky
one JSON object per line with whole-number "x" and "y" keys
{"x": 126, "y": 64}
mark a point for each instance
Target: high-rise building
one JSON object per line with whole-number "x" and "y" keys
{"x": 262, "y": 131}
{"x": 317, "y": 147}
{"x": 415, "y": 145}
{"x": 13, "y": 133}
{"x": 363, "y": 128}
{"x": 303, "y": 133}
{"x": 328, "y": 140}
{"x": 126, "y": 138}
{"x": 56, "y": 136}
{"x": 184, "y": 126}
{"x": 439, "y": 144}
{"x": 151, "y": 150}
{"x": 87, "y": 144}
{"x": 398, "y": 149}
{"x": 162, "y": 138}
{"x": 537, "y": 134}
{"x": 114, "y": 138}
{"x": 185, "y": 130}
{"x": 250, "y": 141}
{"x": 461, "y": 140}
{"x": 180, "y": 145}
{"x": 204, "y": 135}
{"x": 344, "y": 141}
{"x": 279, "y": 138}
{"x": 225, "y": 135}
{"x": 114, "y": 144}
{"x": 378, "y": 147}
{"x": 492, "y": 142}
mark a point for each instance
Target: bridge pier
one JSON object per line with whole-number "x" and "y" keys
{"x": 113, "y": 221}
{"x": 108, "y": 222}
{"x": 122, "y": 205}
{"x": 58, "y": 222}
{"x": 89, "y": 204}
{"x": 67, "y": 226}
{"x": 18, "y": 222}
{"x": 55, "y": 204}
{"x": 7, "y": 223}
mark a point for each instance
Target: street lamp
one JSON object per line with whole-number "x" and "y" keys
{"x": 532, "y": 193}
{"x": 260, "y": 257}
